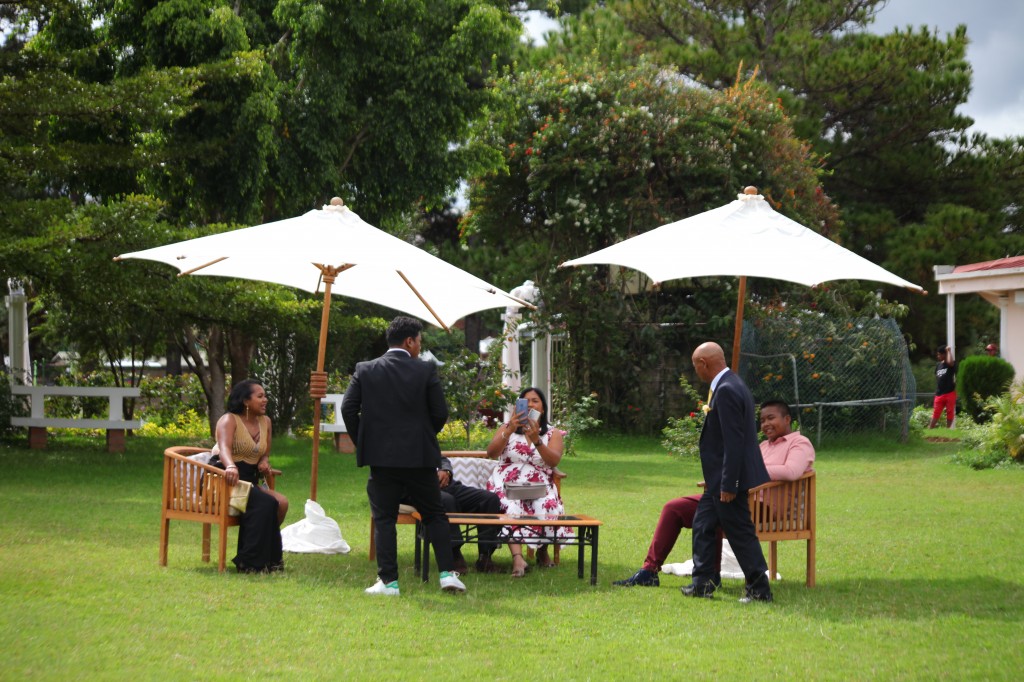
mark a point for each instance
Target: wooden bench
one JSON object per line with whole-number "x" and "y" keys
{"x": 788, "y": 515}
{"x": 336, "y": 425}
{"x": 471, "y": 468}
{"x": 193, "y": 491}
{"x": 115, "y": 423}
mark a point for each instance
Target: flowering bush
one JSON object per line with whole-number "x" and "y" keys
{"x": 682, "y": 434}
{"x": 189, "y": 424}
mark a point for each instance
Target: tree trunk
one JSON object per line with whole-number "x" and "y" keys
{"x": 241, "y": 348}
{"x": 211, "y": 374}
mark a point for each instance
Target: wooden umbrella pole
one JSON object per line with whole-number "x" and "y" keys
{"x": 318, "y": 378}
{"x": 738, "y": 331}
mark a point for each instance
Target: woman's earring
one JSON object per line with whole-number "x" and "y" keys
{"x": 246, "y": 411}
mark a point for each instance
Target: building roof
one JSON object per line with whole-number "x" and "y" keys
{"x": 999, "y": 264}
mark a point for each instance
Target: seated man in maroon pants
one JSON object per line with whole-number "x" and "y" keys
{"x": 787, "y": 456}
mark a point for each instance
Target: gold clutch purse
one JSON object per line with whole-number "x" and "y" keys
{"x": 239, "y": 498}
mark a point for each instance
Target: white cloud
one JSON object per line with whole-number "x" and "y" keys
{"x": 996, "y": 53}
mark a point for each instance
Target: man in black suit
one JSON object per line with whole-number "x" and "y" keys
{"x": 393, "y": 409}
{"x": 732, "y": 464}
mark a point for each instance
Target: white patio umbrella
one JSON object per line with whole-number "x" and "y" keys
{"x": 334, "y": 251}
{"x": 744, "y": 238}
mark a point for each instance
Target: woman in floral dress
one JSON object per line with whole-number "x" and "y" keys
{"x": 528, "y": 451}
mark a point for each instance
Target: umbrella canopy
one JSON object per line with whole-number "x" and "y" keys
{"x": 369, "y": 264}
{"x": 334, "y": 251}
{"x": 743, "y": 238}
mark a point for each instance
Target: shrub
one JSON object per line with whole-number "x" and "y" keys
{"x": 920, "y": 418}
{"x": 682, "y": 434}
{"x": 165, "y": 399}
{"x": 187, "y": 425}
{"x": 575, "y": 419}
{"x": 978, "y": 378}
{"x": 1001, "y": 441}
{"x": 9, "y": 405}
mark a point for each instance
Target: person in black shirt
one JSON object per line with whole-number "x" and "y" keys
{"x": 945, "y": 386}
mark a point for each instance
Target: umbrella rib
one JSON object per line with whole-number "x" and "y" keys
{"x": 422, "y": 300}
{"x": 200, "y": 267}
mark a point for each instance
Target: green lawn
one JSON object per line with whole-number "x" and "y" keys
{"x": 919, "y": 577}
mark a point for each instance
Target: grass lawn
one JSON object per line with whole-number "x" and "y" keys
{"x": 919, "y": 577}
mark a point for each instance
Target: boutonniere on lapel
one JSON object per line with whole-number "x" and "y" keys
{"x": 707, "y": 406}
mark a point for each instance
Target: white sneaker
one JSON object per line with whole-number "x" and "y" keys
{"x": 450, "y": 582}
{"x": 390, "y": 589}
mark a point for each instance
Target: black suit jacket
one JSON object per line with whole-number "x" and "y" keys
{"x": 729, "y": 454}
{"x": 393, "y": 410}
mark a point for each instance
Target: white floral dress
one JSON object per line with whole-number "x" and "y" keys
{"x": 520, "y": 462}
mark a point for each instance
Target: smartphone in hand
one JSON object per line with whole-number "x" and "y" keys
{"x": 534, "y": 415}
{"x": 522, "y": 405}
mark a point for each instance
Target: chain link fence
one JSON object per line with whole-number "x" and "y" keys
{"x": 842, "y": 375}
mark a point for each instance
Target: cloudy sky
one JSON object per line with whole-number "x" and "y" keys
{"x": 996, "y": 52}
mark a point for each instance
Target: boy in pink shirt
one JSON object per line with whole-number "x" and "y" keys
{"x": 787, "y": 456}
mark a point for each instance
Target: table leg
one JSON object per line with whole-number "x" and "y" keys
{"x": 581, "y": 541}
{"x": 593, "y": 556}
{"x": 417, "y": 550}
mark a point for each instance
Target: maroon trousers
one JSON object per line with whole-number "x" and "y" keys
{"x": 675, "y": 515}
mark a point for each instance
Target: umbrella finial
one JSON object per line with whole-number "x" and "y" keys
{"x": 336, "y": 205}
{"x": 750, "y": 189}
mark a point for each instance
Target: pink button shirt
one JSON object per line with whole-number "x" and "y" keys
{"x": 789, "y": 457}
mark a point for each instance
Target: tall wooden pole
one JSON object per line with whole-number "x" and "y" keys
{"x": 737, "y": 334}
{"x": 318, "y": 379}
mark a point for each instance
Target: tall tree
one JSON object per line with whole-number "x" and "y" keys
{"x": 881, "y": 111}
{"x": 595, "y": 155}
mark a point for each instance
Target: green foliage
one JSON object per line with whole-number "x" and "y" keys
{"x": 455, "y": 437}
{"x": 398, "y": 84}
{"x": 471, "y": 384}
{"x": 595, "y": 155}
{"x": 681, "y": 436}
{"x": 1008, "y": 420}
{"x": 188, "y": 425}
{"x": 978, "y": 378}
{"x": 879, "y": 111}
{"x": 807, "y": 357}
{"x": 999, "y": 441}
{"x": 574, "y": 419}
{"x": 9, "y": 405}
{"x": 165, "y": 399}
{"x": 920, "y": 418}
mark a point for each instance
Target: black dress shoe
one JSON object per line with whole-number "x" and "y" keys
{"x": 703, "y": 591}
{"x": 459, "y": 563}
{"x": 750, "y": 598}
{"x": 487, "y": 565}
{"x": 642, "y": 578}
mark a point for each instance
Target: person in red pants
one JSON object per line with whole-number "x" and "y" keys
{"x": 787, "y": 456}
{"x": 945, "y": 387}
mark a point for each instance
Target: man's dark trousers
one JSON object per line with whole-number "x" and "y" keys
{"x": 386, "y": 488}
{"x": 734, "y": 518}
{"x": 469, "y": 500}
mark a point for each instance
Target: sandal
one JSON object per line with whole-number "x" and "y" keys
{"x": 522, "y": 570}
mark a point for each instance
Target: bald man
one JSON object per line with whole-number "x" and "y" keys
{"x": 732, "y": 464}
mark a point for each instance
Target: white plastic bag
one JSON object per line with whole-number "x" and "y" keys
{"x": 315, "y": 534}
{"x": 730, "y": 567}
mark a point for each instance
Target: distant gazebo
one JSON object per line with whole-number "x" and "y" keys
{"x": 1001, "y": 283}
